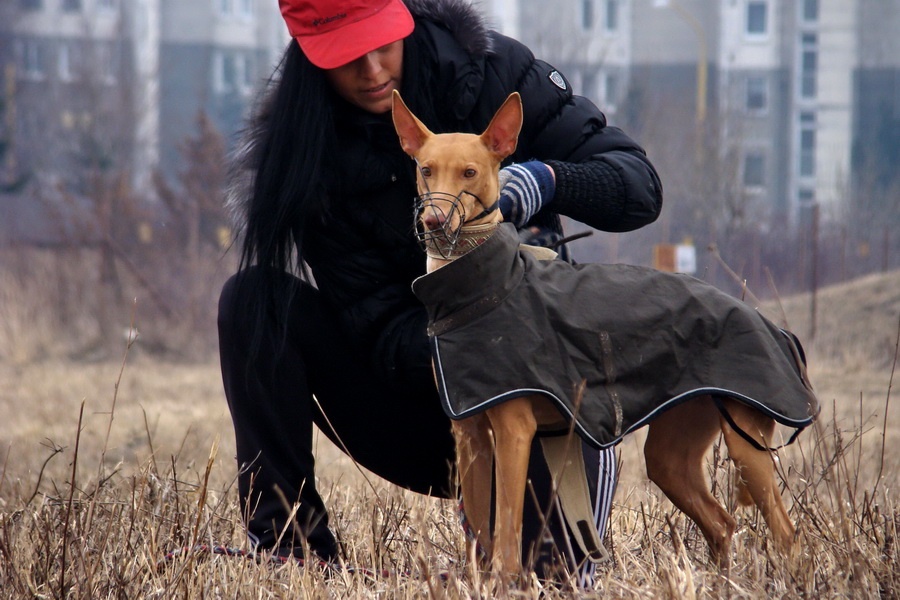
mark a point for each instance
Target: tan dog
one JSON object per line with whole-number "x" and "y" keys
{"x": 458, "y": 184}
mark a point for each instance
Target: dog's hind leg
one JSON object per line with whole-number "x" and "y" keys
{"x": 677, "y": 442}
{"x": 475, "y": 465}
{"x": 756, "y": 468}
{"x": 514, "y": 426}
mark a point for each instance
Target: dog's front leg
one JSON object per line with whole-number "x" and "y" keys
{"x": 475, "y": 462}
{"x": 514, "y": 425}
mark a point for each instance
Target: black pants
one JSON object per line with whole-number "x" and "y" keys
{"x": 395, "y": 428}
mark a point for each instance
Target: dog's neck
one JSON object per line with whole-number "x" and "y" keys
{"x": 440, "y": 253}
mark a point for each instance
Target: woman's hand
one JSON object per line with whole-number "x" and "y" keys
{"x": 525, "y": 188}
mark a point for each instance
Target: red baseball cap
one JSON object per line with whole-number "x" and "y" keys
{"x": 333, "y": 33}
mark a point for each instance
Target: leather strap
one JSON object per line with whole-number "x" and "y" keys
{"x": 565, "y": 459}
{"x": 463, "y": 316}
{"x": 724, "y": 412}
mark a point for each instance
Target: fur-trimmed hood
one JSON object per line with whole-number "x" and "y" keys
{"x": 464, "y": 21}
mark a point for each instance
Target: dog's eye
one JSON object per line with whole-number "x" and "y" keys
{"x": 470, "y": 173}
{"x": 426, "y": 171}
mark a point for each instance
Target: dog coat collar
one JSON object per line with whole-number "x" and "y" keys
{"x": 469, "y": 238}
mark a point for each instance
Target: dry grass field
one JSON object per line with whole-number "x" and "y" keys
{"x": 105, "y": 467}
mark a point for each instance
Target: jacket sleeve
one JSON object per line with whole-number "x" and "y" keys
{"x": 603, "y": 177}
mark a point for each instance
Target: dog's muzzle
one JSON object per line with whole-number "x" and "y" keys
{"x": 444, "y": 207}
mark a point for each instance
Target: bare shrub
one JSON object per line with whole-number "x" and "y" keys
{"x": 40, "y": 294}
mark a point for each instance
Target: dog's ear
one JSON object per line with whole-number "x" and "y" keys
{"x": 410, "y": 129}
{"x": 502, "y": 134}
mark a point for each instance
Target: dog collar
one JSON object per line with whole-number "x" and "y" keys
{"x": 470, "y": 237}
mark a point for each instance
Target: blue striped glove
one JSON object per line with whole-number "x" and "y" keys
{"x": 524, "y": 189}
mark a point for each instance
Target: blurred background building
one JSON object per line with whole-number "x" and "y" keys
{"x": 761, "y": 114}
{"x": 775, "y": 127}
{"x": 800, "y": 99}
{"x": 122, "y": 81}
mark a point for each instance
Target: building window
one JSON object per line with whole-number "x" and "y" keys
{"x": 757, "y": 17}
{"x": 611, "y": 91}
{"x": 31, "y": 60}
{"x": 223, "y": 72}
{"x": 245, "y": 8}
{"x": 71, "y": 5}
{"x": 64, "y": 62}
{"x": 247, "y": 74}
{"x": 107, "y": 64}
{"x": 106, "y": 4}
{"x": 589, "y": 84}
{"x": 757, "y": 99}
{"x": 755, "y": 170}
{"x": 233, "y": 72}
{"x": 225, "y": 7}
{"x": 810, "y": 10}
{"x": 612, "y": 15}
{"x": 807, "y": 166}
{"x": 809, "y": 61}
{"x": 587, "y": 14}
{"x": 30, "y": 4}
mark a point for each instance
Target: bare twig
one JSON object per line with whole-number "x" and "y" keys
{"x": 112, "y": 411}
{"x": 344, "y": 447}
{"x": 771, "y": 280}
{"x": 714, "y": 250}
{"x": 204, "y": 489}
{"x": 887, "y": 406}
{"x": 65, "y": 537}
{"x": 37, "y": 486}
{"x": 150, "y": 443}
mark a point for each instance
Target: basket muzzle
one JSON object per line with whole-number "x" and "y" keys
{"x": 445, "y": 209}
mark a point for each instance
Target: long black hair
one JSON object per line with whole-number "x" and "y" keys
{"x": 292, "y": 150}
{"x": 289, "y": 145}
{"x": 293, "y": 156}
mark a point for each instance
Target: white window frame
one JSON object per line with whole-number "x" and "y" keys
{"x": 246, "y": 74}
{"x": 612, "y": 87}
{"x": 232, "y": 73}
{"x": 218, "y": 72}
{"x": 64, "y": 57}
{"x": 107, "y": 64}
{"x": 590, "y": 83}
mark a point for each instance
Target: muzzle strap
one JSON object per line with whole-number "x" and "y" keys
{"x": 488, "y": 210}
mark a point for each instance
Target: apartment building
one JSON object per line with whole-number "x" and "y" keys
{"x": 802, "y": 99}
{"x": 100, "y": 82}
{"x": 214, "y": 55}
{"x": 588, "y": 40}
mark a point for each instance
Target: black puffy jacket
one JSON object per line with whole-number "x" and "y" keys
{"x": 363, "y": 253}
